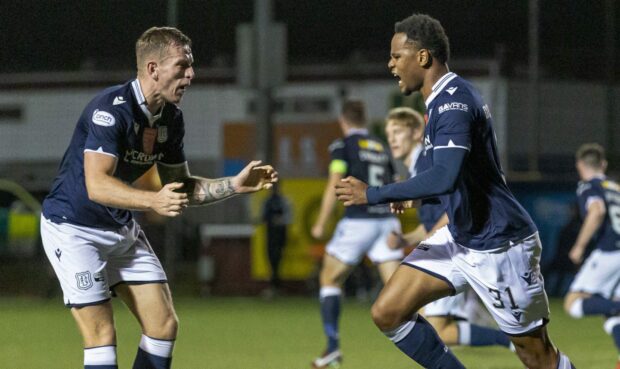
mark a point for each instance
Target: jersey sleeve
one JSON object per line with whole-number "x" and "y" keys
{"x": 454, "y": 123}
{"x": 588, "y": 193}
{"x": 338, "y": 163}
{"x": 105, "y": 128}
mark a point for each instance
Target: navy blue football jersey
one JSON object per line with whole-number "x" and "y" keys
{"x": 430, "y": 211}
{"x": 483, "y": 213}
{"x": 367, "y": 158}
{"x": 607, "y": 238}
{"x": 114, "y": 123}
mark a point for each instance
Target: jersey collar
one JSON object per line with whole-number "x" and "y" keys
{"x": 439, "y": 86}
{"x": 137, "y": 91}
{"x": 357, "y": 131}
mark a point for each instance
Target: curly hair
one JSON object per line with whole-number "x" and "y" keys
{"x": 425, "y": 32}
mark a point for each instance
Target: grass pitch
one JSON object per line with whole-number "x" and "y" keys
{"x": 249, "y": 333}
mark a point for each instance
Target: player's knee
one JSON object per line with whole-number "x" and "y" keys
{"x": 101, "y": 334}
{"x": 386, "y": 317}
{"x": 165, "y": 327}
{"x": 573, "y": 306}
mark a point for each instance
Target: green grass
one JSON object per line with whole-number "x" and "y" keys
{"x": 248, "y": 333}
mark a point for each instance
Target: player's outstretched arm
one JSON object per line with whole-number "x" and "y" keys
{"x": 105, "y": 189}
{"x": 205, "y": 191}
{"x": 328, "y": 202}
{"x": 592, "y": 222}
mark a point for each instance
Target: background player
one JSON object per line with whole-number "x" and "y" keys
{"x": 89, "y": 234}
{"x": 490, "y": 243}
{"x": 363, "y": 230}
{"x": 596, "y": 285}
{"x": 404, "y": 128}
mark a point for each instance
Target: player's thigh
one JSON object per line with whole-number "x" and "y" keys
{"x": 406, "y": 292}
{"x": 334, "y": 272}
{"x": 96, "y": 324}
{"x": 387, "y": 269}
{"x": 152, "y": 305}
{"x": 352, "y": 239}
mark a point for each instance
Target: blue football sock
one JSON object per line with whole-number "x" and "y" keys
{"x": 330, "y": 313}
{"x": 615, "y": 333}
{"x": 598, "y": 305}
{"x": 154, "y": 354}
{"x": 418, "y": 340}
{"x": 476, "y": 335}
{"x": 102, "y": 357}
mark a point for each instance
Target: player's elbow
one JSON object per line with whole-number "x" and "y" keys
{"x": 93, "y": 190}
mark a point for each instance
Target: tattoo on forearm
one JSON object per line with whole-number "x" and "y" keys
{"x": 213, "y": 190}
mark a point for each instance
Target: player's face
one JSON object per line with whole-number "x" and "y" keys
{"x": 400, "y": 138}
{"x": 404, "y": 64}
{"x": 175, "y": 73}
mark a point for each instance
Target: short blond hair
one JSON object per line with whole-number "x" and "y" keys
{"x": 157, "y": 41}
{"x": 592, "y": 155}
{"x": 406, "y": 117}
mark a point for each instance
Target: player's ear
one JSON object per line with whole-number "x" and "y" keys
{"x": 151, "y": 70}
{"x": 425, "y": 59}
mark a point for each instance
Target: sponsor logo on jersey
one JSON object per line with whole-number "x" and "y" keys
{"x": 370, "y": 145}
{"x": 453, "y": 106}
{"x": 140, "y": 158}
{"x": 162, "y": 134}
{"x": 118, "y": 100}
{"x": 58, "y": 253}
{"x": 84, "y": 280}
{"x": 99, "y": 277}
{"x": 136, "y": 127}
{"x": 451, "y": 90}
{"x": 373, "y": 157}
{"x": 103, "y": 118}
{"x": 148, "y": 139}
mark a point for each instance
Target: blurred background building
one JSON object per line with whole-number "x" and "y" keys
{"x": 270, "y": 75}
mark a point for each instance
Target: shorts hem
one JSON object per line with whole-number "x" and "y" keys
{"x": 433, "y": 274}
{"x": 342, "y": 261}
{"x": 156, "y": 281}
{"x": 545, "y": 321}
{"x": 85, "y": 304}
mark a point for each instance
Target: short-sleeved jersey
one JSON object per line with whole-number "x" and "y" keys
{"x": 607, "y": 237}
{"x": 431, "y": 210}
{"x": 483, "y": 213}
{"x": 367, "y": 158}
{"x": 114, "y": 123}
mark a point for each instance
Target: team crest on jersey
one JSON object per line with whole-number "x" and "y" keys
{"x": 84, "y": 280}
{"x": 103, "y": 118}
{"x": 148, "y": 140}
{"x": 162, "y": 134}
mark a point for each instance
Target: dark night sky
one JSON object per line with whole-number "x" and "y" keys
{"x": 41, "y": 35}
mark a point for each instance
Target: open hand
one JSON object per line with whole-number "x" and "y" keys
{"x": 255, "y": 177}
